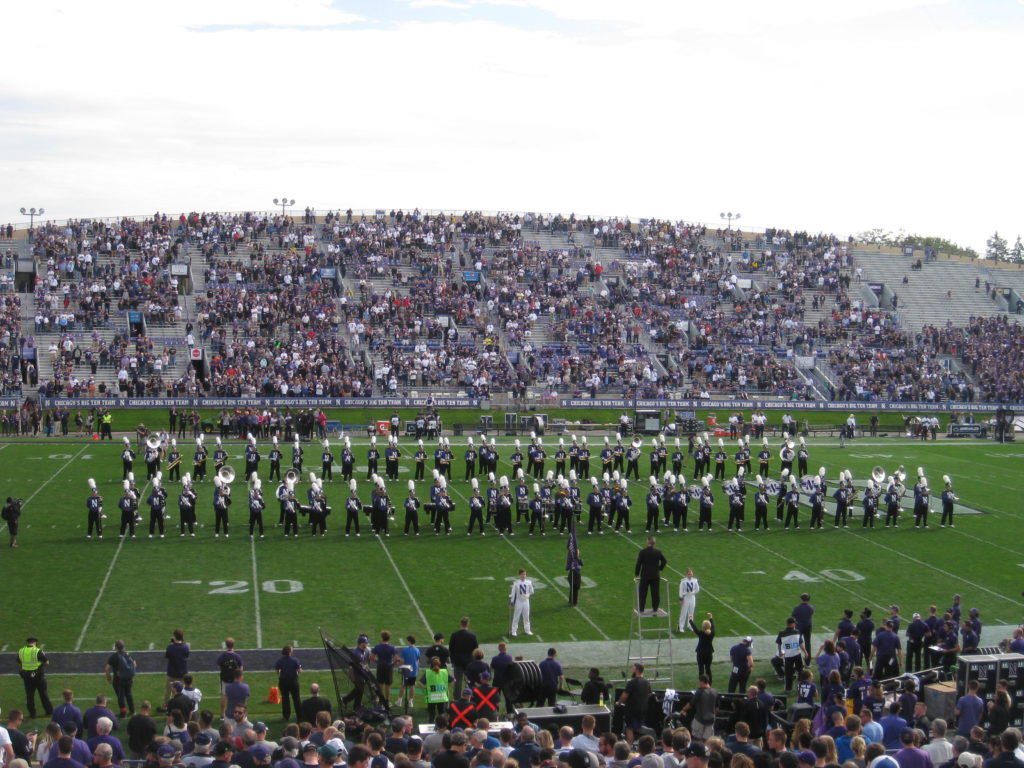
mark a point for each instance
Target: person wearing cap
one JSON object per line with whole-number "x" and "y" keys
{"x": 742, "y": 660}
{"x": 261, "y": 736}
{"x": 32, "y": 668}
{"x": 790, "y": 642}
{"x": 803, "y": 613}
{"x": 309, "y": 753}
{"x": 696, "y": 755}
{"x": 260, "y": 755}
{"x": 200, "y": 756}
{"x": 223, "y": 753}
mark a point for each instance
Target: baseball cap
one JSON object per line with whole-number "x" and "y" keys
{"x": 894, "y": 607}
{"x": 806, "y": 756}
{"x": 203, "y": 739}
{"x": 259, "y": 752}
{"x": 696, "y": 749}
{"x": 438, "y": 636}
{"x": 166, "y": 750}
{"x": 178, "y": 686}
{"x": 328, "y": 751}
{"x": 577, "y": 759}
{"x": 362, "y": 639}
{"x": 309, "y": 746}
{"x": 222, "y": 748}
{"x": 917, "y": 615}
{"x": 967, "y": 759}
{"x": 290, "y": 744}
{"x": 259, "y": 726}
{"x": 748, "y": 640}
{"x": 485, "y": 675}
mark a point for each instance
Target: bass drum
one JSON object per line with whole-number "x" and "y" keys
{"x": 522, "y": 682}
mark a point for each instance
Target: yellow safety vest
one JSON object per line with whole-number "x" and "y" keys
{"x": 108, "y": 418}
{"x": 29, "y": 657}
{"x": 437, "y": 686}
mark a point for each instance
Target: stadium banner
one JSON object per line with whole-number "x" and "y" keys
{"x": 10, "y": 402}
{"x": 892, "y": 406}
{"x": 255, "y": 402}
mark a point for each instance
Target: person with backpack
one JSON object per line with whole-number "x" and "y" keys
{"x": 228, "y": 662}
{"x": 120, "y": 670}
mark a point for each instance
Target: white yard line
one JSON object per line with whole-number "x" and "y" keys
{"x": 106, "y": 580}
{"x": 703, "y": 589}
{"x": 49, "y": 480}
{"x": 944, "y": 572}
{"x": 401, "y": 578}
{"x": 256, "y": 596}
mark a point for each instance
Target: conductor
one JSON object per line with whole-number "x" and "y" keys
{"x": 649, "y": 564}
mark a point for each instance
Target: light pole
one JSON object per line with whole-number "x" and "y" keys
{"x": 284, "y": 202}
{"x": 32, "y": 213}
{"x": 729, "y": 217}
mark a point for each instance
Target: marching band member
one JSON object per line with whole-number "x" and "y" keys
{"x": 522, "y": 497}
{"x": 275, "y": 461}
{"x": 870, "y": 504}
{"x": 633, "y": 459}
{"x": 607, "y": 496}
{"x": 199, "y": 459}
{"x": 560, "y": 456}
{"x": 353, "y": 508}
{"x": 297, "y": 455}
{"x": 786, "y": 456}
{"x": 539, "y": 457}
{"x": 607, "y": 457}
{"x": 476, "y": 507}
{"x": 949, "y": 499}
{"x": 678, "y": 502}
{"x": 290, "y": 507}
{"x": 737, "y": 492}
{"x": 420, "y": 460}
{"x": 128, "y": 505}
{"x": 157, "y": 504}
{"x": 187, "y": 507}
{"x": 327, "y": 462}
{"x": 843, "y": 496}
{"x": 780, "y": 497}
{"x": 595, "y": 506}
{"x": 391, "y": 456}
{"x": 381, "y": 508}
{"x": 893, "y": 494}
{"x": 764, "y": 456}
{"x": 802, "y": 455}
{"x": 536, "y": 510}
{"x": 622, "y": 504}
{"x": 653, "y": 499}
{"x": 653, "y": 457}
{"x": 372, "y": 458}
{"x": 574, "y": 454}
{"x": 348, "y": 460}
{"x": 583, "y": 459}
{"x": 720, "y": 457}
{"x": 921, "y": 499}
{"x": 220, "y": 456}
{"x": 563, "y": 503}
{"x": 446, "y": 460}
{"x": 94, "y": 506}
{"x": 470, "y": 458}
{"x": 412, "y": 507}
{"x": 706, "y": 503}
{"x": 444, "y": 506}
{"x": 252, "y": 457}
{"x": 318, "y": 509}
{"x": 531, "y": 451}
{"x": 618, "y": 454}
{"x": 174, "y": 461}
{"x": 516, "y": 459}
{"x": 256, "y": 505}
{"x": 492, "y": 497}
{"x": 792, "y": 506}
{"x": 503, "y": 507}
{"x": 677, "y": 459}
{"x": 151, "y": 455}
{"x": 221, "y": 503}
{"x": 816, "y": 501}
{"x": 761, "y": 504}
{"x": 127, "y": 458}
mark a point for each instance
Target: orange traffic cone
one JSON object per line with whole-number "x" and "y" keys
{"x": 274, "y": 696}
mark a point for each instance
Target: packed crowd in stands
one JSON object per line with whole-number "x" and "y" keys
{"x": 731, "y": 314}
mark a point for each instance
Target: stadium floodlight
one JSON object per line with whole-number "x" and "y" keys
{"x": 729, "y": 217}
{"x": 284, "y": 202}
{"x": 32, "y": 213}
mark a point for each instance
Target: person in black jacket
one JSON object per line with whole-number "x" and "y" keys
{"x": 594, "y": 689}
{"x": 705, "y": 645}
{"x": 649, "y": 565}
{"x": 461, "y": 646}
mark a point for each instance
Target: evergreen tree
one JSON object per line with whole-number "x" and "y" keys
{"x": 996, "y": 248}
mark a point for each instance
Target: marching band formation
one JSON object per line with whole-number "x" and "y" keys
{"x": 550, "y": 501}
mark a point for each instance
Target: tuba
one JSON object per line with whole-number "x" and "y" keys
{"x": 226, "y": 475}
{"x": 153, "y": 443}
{"x": 878, "y": 475}
{"x": 291, "y": 476}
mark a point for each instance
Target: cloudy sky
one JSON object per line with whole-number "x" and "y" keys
{"x": 817, "y": 114}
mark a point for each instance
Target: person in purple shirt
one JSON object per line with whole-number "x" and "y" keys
{"x": 968, "y": 709}
{"x": 93, "y": 714}
{"x": 892, "y": 725}
{"x": 62, "y": 757}
{"x": 288, "y": 669}
{"x": 888, "y": 653}
{"x": 968, "y": 638}
{"x": 828, "y": 662}
{"x": 550, "y": 679}
{"x": 384, "y": 654}
{"x": 79, "y": 749}
{"x": 910, "y": 756}
{"x": 237, "y": 692}
{"x": 845, "y": 627}
{"x": 742, "y": 662}
{"x": 66, "y": 713}
{"x": 177, "y": 662}
{"x": 103, "y": 728}
{"x": 1017, "y": 644}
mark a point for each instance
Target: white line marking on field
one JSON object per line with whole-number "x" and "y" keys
{"x": 3, "y": 650}
{"x": 950, "y": 574}
{"x": 541, "y": 574}
{"x": 49, "y": 480}
{"x": 986, "y": 541}
{"x": 408, "y": 591}
{"x": 539, "y": 638}
{"x": 572, "y": 637}
{"x": 186, "y": 582}
{"x": 704, "y": 589}
{"x": 152, "y": 646}
{"x": 256, "y": 596}
{"x": 106, "y": 578}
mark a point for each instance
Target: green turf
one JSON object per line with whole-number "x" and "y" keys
{"x": 86, "y": 593}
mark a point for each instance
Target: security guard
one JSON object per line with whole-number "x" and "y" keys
{"x": 31, "y": 661}
{"x": 106, "y": 421}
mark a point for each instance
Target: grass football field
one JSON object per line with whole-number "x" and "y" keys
{"x": 80, "y": 595}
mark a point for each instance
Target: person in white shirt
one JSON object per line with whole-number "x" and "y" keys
{"x": 519, "y": 603}
{"x": 688, "y": 589}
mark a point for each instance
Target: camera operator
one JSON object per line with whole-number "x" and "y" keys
{"x": 11, "y": 514}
